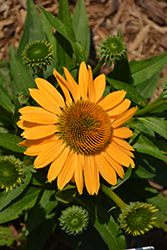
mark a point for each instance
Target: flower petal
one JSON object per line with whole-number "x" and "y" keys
{"x": 83, "y": 80}
{"x": 124, "y": 117}
{"x": 112, "y": 99}
{"x": 72, "y": 85}
{"x": 124, "y": 144}
{"x": 40, "y": 118}
{"x": 91, "y": 88}
{"x": 78, "y": 174}
{"x": 50, "y": 91}
{"x": 119, "y": 155}
{"x": 120, "y": 108}
{"x": 99, "y": 86}
{"x": 40, "y": 131}
{"x": 122, "y": 132}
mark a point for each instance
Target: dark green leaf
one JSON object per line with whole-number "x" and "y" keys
{"x": 146, "y": 68}
{"x": 66, "y": 195}
{"x": 81, "y": 26}
{"x": 20, "y": 205}
{"x": 132, "y": 93}
{"x": 14, "y": 193}
{"x": 156, "y": 124}
{"x": 10, "y": 142}
{"x": 146, "y": 146}
{"x": 126, "y": 177}
{"x": 33, "y": 29}
{"x": 20, "y": 74}
{"x": 141, "y": 172}
{"x": 5, "y": 99}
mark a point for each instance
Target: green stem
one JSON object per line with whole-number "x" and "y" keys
{"x": 98, "y": 66}
{"x": 113, "y": 196}
{"x": 158, "y": 102}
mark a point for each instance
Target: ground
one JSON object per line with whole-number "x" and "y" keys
{"x": 143, "y": 25}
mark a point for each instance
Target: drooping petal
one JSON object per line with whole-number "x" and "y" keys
{"x": 40, "y": 131}
{"x": 58, "y": 164}
{"x": 119, "y": 155}
{"x": 112, "y": 99}
{"x": 122, "y": 132}
{"x": 78, "y": 174}
{"x": 83, "y": 81}
{"x": 124, "y": 144}
{"x": 91, "y": 175}
{"x": 48, "y": 155}
{"x": 99, "y": 85}
{"x": 67, "y": 172}
{"x": 91, "y": 88}
{"x": 128, "y": 152}
{"x": 26, "y": 125}
{"x": 40, "y": 118}
{"x": 124, "y": 117}
{"x": 42, "y": 100}
{"x": 120, "y": 108}
{"x": 106, "y": 170}
{"x": 50, "y": 91}
{"x": 63, "y": 85}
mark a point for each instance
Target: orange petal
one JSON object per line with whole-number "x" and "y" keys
{"x": 42, "y": 100}
{"x": 78, "y": 174}
{"x": 91, "y": 88}
{"x": 125, "y": 150}
{"x": 91, "y": 175}
{"x": 48, "y": 155}
{"x": 40, "y": 118}
{"x": 120, "y": 108}
{"x": 39, "y": 131}
{"x": 68, "y": 170}
{"x": 99, "y": 85}
{"x": 25, "y": 125}
{"x": 112, "y": 99}
{"x": 58, "y": 164}
{"x": 124, "y": 144}
{"x": 63, "y": 85}
{"x": 83, "y": 80}
{"x": 106, "y": 170}
{"x": 122, "y": 132}
{"x": 119, "y": 155}
{"x": 72, "y": 85}
{"x": 124, "y": 117}
{"x": 50, "y": 91}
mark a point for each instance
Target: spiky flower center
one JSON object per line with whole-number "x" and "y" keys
{"x": 85, "y": 127}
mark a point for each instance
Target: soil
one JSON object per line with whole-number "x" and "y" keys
{"x": 143, "y": 25}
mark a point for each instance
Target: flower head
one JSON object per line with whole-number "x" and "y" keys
{"x": 137, "y": 218}
{"x": 11, "y": 172}
{"x": 81, "y": 136}
{"x": 113, "y": 48}
{"x": 37, "y": 55}
{"x": 74, "y": 220}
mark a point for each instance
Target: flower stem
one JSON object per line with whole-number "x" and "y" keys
{"x": 158, "y": 102}
{"x": 98, "y": 66}
{"x": 113, "y": 196}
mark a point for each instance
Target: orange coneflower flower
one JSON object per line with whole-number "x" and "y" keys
{"x": 81, "y": 136}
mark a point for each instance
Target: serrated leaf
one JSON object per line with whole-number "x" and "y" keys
{"x": 146, "y": 146}
{"x": 20, "y": 205}
{"x": 156, "y": 124}
{"x": 146, "y": 68}
{"x": 33, "y": 29}
{"x": 132, "y": 93}
{"x": 81, "y": 26}
{"x": 20, "y": 74}
{"x": 10, "y": 141}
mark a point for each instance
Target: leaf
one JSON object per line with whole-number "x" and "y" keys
{"x": 156, "y": 124}
{"x": 142, "y": 128}
{"x": 6, "y": 238}
{"x": 81, "y": 26}
{"x": 146, "y": 146}
{"x": 44, "y": 205}
{"x": 146, "y": 68}
{"x": 5, "y": 99}
{"x": 20, "y": 74}
{"x": 126, "y": 177}
{"x": 14, "y": 193}
{"x": 104, "y": 224}
{"x": 132, "y": 93}
{"x": 10, "y": 142}
{"x": 141, "y": 172}
{"x": 33, "y": 29}
{"x": 20, "y": 205}
{"x": 147, "y": 88}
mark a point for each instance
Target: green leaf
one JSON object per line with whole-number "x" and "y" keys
{"x": 144, "y": 69}
{"x": 5, "y": 99}
{"x": 141, "y": 172}
{"x": 20, "y": 74}
{"x": 142, "y": 128}
{"x": 18, "y": 206}
{"x": 14, "y": 193}
{"x": 81, "y": 26}
{"x": 6, "y": 238}
{"x": 104, "y": 224}
{"x": 33, "y": 29}
{"x": 146, "y": 146}
{"x": 147, "y": 88}
{"x": 156, "y": 124}
{"x": 132, "y": 93}
{"x": 126, "y": 177}
{"x": 44, "y": 205}
{"x": 66, "y": 195}
{"x": 10, "y": 142}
